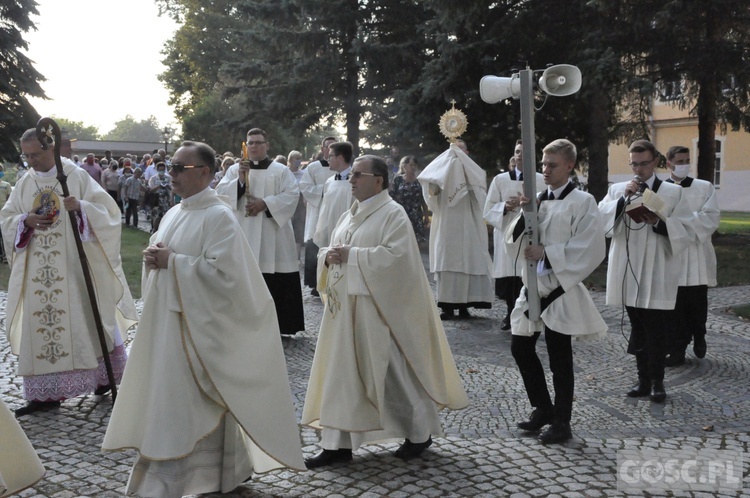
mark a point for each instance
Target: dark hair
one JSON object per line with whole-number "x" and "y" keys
{"x": 323, "y": 142}
{"x": 644, "y": 146}
{"x": 257, "y": 131}
{"x": 677, "y": 149}
{"x": 206, "y": 154}
{"x": 344, "y": 149}
{"x": 378, "y": 167}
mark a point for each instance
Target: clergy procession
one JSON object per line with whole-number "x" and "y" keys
{"x": 200, "y": 387}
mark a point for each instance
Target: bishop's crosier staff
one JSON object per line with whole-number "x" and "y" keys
{"x": 48, "y": 133}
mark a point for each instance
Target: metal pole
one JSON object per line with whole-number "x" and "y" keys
{"x": 529, "y": 186}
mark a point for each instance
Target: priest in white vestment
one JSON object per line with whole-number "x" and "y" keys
{"x": 311, "y": 186}
{"x": 698, "y": 266}
{"x": 50, "y": 322}
{"x": 455, "y": 189}
{"x": 264, "y": 197}
{"x": 571, "y": 246}
{"x": 501, "y": 206}
{"x": 20, "y": 466}
{"x": 205, "y": 398}
{"x": 382, "y": 367}
{"x": 644, "y": 265}
{"x": 337, "y": 193}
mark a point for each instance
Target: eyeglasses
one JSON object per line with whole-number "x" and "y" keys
{"x": 32, "y": 156}
{"x": 358, "y": 174}
{"x": 641, "y": 164}
{"x": 179, "y": 168}
{"x": 256, "y": 142}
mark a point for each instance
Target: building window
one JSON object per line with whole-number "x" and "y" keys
{"x": 718, "y": 158}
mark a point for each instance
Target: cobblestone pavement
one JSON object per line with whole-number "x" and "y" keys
{"x": 482, "y": 454}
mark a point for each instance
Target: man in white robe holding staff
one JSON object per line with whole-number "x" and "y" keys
{"x": 571, "y": 246}
{"x": 382, "y": 365}
{"x": 205, "y": 398}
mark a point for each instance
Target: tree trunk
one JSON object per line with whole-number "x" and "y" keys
{"x": 708, "y": 95}
{"x": 598, "y": 180}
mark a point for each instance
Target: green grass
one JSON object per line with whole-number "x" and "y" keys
{"x": 733, "y": 222}
{"x": 742, "y": 311}
{"x": 133, "y": 242}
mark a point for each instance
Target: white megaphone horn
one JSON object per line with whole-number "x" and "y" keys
{"x": 560, "y": 80}
{"x": 493, "y": 89}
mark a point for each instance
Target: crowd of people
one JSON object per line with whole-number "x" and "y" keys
{"x": 205, "y": 385}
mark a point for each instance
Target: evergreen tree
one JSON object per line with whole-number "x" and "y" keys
{"x": 18, "y": 78}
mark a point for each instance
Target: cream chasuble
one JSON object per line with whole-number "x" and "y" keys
{"x": 271, "y": 238}
{"x": 337, "y": 199}
{"x": 199, "y": 362}
{"x": 571, "y": 231}
{"x": 644, "y": 266}
{"x": 50, "y": 324}
{"x": 379, "y": 298}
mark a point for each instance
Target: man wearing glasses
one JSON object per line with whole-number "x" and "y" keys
{"x": 643, "y": 267}
{"x": 193, "y": 403}
{"x": 382, "y": 365}
{"x": 265, "y": 195}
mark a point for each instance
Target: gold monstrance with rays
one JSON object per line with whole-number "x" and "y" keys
{"x": 453, "y": 123}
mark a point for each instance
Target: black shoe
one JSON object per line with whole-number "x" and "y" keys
{"x": 699, "y": 346}
{"x": 102, "y": 390}
{"x": 538, "y": 419}
{"x": 36, "y": 406}
{"x": 328, "y": 457}
{"x": 315, "y": 293}
{"x": 643, "y": 388}
{"x": 412, "y": 450}
{"x": 659, "y": 394}
{"x": 558, "y": 432}
{"x": 506, "y": 323}
{"x": 447, "y": 315}
{"x": 674, "y": 359}
{"x": 464, "y": 313}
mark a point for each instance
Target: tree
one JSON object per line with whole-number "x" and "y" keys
{"x": 76, "y": 129}
{"x": 130, "y": 130}
{"x": 18, "y": 78}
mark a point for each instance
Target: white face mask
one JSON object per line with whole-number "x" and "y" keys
{"x": 681, "y": 170}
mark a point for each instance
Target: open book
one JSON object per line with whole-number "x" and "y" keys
{"x": 649, "y": 202}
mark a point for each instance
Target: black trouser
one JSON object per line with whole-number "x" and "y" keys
{"x": 311, "y": 264}
{"x": 508, "y": 289}
{"x": 113, "y": 194}
{"x": 689, "y": 318}
{"x": 132, "y": 209}
{"x": 648, "y": 334}
{"x": 560, "y": 354}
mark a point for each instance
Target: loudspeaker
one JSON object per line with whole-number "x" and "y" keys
{"x": 560, "y": 80}
{"x": 493, "y": 89}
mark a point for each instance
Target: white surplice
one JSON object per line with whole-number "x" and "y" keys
{"x": 337, "y": 199}
{"x": 571, "y": 231}
{"x": 699, "y": 258}
{"x": 205, "y": 376}
{"x": 311, "y": 185}
{"x": 381, "y": 350}
{"x": 505, "y": 264}
{"x": 271, "y": 238}
{"x": 455, "y": 189}
{"x": 643, "y": 265}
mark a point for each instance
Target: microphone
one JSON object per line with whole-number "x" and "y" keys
{"x": 641, "y": 188}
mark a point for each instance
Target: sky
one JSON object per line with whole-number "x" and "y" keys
{"x": 101, "y": 59}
